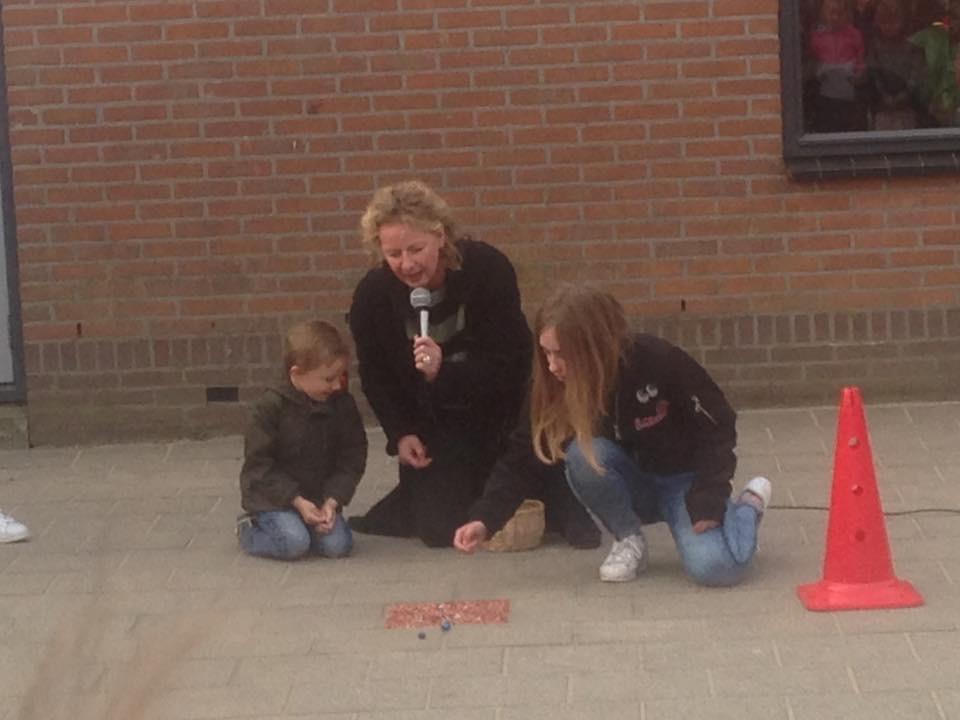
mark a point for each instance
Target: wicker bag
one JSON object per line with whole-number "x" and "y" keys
{"x": 523, "y": 531}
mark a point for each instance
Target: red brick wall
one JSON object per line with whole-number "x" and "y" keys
{"x": 189, "y": 177}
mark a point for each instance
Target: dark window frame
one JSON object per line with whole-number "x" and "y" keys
{"x": 818, "y": 156}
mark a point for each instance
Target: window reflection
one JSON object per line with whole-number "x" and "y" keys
{"x": 880, "y": 65}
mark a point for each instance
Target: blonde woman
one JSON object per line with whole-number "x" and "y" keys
{"x": 644, "y": 434}
{"x": 447, "y": 398}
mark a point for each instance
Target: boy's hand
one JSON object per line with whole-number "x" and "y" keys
{"x": 329, "y": 512}
{"x": 308, "y": 510}
{"x": 468, "y": 537}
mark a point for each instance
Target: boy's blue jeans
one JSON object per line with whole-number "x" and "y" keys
{"x": 716, "y": 557}
{"x": 283, "y": 535}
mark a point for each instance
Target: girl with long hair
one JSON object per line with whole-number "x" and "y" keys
{"x": 643, "y": 433}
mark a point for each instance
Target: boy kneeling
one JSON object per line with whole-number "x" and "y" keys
{"x": 305, "y": 450}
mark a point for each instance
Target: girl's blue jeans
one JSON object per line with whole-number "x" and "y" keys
{"x": 283, "y": 535}
{"x": 720, "y": 556}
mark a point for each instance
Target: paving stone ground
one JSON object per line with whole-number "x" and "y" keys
{"x": 132, "y": 601}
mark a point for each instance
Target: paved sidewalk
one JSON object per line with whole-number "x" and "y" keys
{"x": 132, "y": 601}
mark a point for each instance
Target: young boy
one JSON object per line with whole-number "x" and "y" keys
{"x": 304, "y": 453}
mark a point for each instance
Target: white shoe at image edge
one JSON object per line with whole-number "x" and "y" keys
{"x": 626, "y": 560}
{"x": 12, "y": 530}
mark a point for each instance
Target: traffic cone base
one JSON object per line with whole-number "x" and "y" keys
{"x": 824, "y": 596}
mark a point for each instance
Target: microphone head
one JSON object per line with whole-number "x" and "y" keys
{"x": 420, "y": 298}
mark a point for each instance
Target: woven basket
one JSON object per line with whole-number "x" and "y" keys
{"x": 523, "y": 531}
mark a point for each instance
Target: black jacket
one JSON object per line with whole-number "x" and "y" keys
{"x": 666, "y": 412}
{"x": 487, "y": 348}
{"x": 297, "y": 446}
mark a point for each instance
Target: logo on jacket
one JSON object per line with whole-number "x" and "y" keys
{"x": 661, "y": 410}
{"x": 644, "y": 394}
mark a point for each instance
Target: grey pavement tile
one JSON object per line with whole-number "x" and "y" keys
{"x": 444, "y": 714}
{"x": 135, "y": 456}
{"x": 442, "y": 662}
{"x": 938, "y": 613}
{"x": 315, "y": 716}
{"x": 885, "y": 674}
{"x": 726, "y": 604}
{"x": 510, "y": 635}
{"x": 796, "y": 622}
{"x": 843, "y": 651}
{"x": 936, "y": 647}
{"x": 34, "y": 559}
{"x": 37, "y": 458}
{"x": 716, "y": 708}
{"x": 194, "y": 505}
{"x": 23, "y": 670}
{"x": 218, "y": 702}
{"x": 467, "y": 690}
{"x": 632, "y": 632}
{"x": 731, "y": 681}
{"x": 382, "y": 694}
{"x": 365, "y": 616}
{"x": 62, "y": 707}
{"x": 875, "y": 706}
{"x": 181, "y": 675}
{"x": 571, "y": 659}
{"x": 611, "y": 710}
{"x": 684, "y": 654}
{"x": 338, "y": 641}
{"x": 348, "y": 593}
{"x": 329, "y": 671}
{"x": 939, "y": 525}
{"x": 215, "y": 449}
{"x": 949, "y": 702}
{"x": 622, "y": 686}
{"x": 562, "y": 607}
{"x": 25, "y": 583}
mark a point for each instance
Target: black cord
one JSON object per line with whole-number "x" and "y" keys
{"x": 917, "y": 511}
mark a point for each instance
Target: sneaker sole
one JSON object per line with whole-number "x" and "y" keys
{"x": 15, "y": 538}
{"x": 618, "y": 579}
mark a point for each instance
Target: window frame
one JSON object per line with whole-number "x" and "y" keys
{"x": 928, "y": 151}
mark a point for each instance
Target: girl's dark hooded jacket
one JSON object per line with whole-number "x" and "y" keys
{"x": 667, "y": 412}
{"x": 297, "y": 446}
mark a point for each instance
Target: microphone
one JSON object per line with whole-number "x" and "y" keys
{"x": 420, "y": 300}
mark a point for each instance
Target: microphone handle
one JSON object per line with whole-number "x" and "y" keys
{"x": 424, "y": 323}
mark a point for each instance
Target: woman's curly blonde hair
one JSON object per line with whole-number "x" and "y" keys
{"x": 413, "y": 203}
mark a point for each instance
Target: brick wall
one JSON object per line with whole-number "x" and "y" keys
{"x": 189, "y": 177}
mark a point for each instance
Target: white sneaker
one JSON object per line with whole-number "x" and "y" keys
{"x": 626, "y": 560}
{"x": 11, "y": 530}
{"x": 760, "y": 487}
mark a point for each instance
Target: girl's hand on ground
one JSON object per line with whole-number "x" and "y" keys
{"x": 468, "y": 537}
{"x": 411, "y": 451}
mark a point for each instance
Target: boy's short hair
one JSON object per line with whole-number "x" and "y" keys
{"x": 313, "y": 343}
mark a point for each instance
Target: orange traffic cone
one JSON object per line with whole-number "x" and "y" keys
{"x": 857, "y": 569}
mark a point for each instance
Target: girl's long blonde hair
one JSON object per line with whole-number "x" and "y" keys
{"x": 591, "y": 329}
